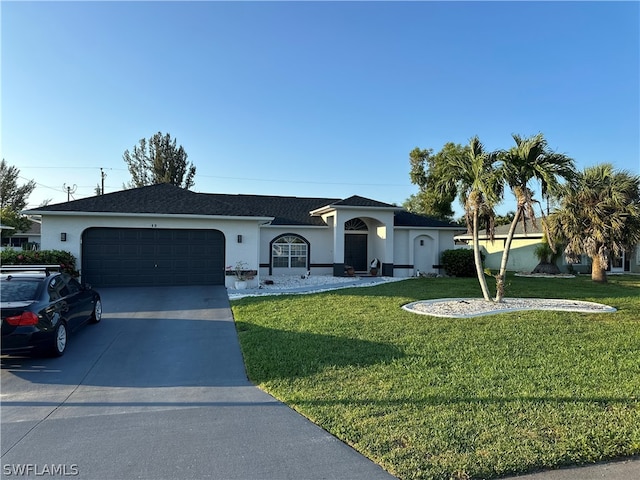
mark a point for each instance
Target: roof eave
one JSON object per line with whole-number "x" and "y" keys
{"x": 332, "y": 207}
{"x": 60, "y": 213}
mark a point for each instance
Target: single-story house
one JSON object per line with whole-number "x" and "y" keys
{"x": 29, "y": 239}
{"x": 523, "y": 259}
{"x": 166, "y": 235}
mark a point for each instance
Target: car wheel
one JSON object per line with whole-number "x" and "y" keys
{"x": 59, "y": 345}
{"x": 96, "y": 316}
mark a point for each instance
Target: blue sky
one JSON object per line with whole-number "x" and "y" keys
{"x": 310, "y": 98}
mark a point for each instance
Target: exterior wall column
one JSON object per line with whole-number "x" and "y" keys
{"x": 387, "y": 265}
{"x": 338, "y": 245}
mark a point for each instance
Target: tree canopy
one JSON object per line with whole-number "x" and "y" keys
{"x": 159, "y": 160}
{"x": 471, "y": 173}
{"x": 426, "y": 170}
{"x": 479, "y": 177}
{"x": 598, "y": 215}
{"x": 13, "y": 199}
{"x": 529, "y": 160}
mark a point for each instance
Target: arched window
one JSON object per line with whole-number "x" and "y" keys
{"x": 355, "y": 225}
{"x": 289, "y": 251}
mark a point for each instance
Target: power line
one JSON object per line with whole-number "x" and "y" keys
{"x": 244, "y": 179}
{"x": 70, "y": 167}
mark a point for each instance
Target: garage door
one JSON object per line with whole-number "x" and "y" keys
{"x": 147, "y": 257}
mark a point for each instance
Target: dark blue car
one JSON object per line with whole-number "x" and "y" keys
{"x": 40, "y": 307}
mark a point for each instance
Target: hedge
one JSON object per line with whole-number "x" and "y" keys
{"x": 66, "y": 261}
{"x": 459, "y": 262}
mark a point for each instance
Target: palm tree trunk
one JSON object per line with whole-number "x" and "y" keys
{"x": 598, "y": 269}
{"x": 478, "y": 259}
{"x": 505, "y": 256}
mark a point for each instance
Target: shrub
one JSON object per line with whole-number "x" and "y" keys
{"x": 66, "y": 261}
{"x": 459, "y": 262}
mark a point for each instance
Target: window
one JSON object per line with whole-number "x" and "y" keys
{"x": 355, "y": 225}
{"x": 57, "y": 289}
{"x": 577, "y": 260}
{"x": 73, "y": 286}
{"x": 289, "y": 251}
{"x": 18, "y": 290}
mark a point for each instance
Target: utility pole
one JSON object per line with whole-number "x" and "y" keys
{"x": 70, "y": 190}
{"x": 102, "y": 175}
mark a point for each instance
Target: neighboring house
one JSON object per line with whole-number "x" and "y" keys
{"x": 29, "y": 239}
{"x": 523, "y": 259}
{"x": 166, "y": 235}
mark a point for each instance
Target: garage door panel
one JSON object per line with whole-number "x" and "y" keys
{"x": 137, "y": 257}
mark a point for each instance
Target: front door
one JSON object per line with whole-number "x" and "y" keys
{"x": 619, "y": 264}
{"x": 355, "y": 251}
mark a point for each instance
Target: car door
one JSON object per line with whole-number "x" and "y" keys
{"x": 57, "y": 293}
{"x": 79, "y": 302}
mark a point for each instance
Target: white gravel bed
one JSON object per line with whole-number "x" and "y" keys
{"x": 474, "y": 307}
{"x": 286, "y": 284}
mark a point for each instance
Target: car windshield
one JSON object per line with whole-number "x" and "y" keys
{"x": 18, "y": 290}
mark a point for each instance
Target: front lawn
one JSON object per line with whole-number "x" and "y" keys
{"x": 429, "y": 397}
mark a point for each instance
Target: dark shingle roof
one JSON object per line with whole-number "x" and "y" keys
{"x": 357, "y": 201}
{"x": 285, "y": 210}
{"x": 172, "y": 200}
{"x": 408, "y": 219}
{"x": 156, "y": 199}
{"x": 503, "y": 230}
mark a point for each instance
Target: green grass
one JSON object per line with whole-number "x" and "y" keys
{"x": 429, "y": 397}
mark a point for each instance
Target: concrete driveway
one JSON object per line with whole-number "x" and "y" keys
{"x": 158, "y": 390}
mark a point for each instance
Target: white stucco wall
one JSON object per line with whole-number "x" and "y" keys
{"x": 408, "y": 250}
{"x": 390, "y": 245}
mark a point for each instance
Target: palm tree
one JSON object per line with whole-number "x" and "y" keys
{"x": 598, "y": 215}
{"x": 472, "y": 175}
{"x": 529, "y": 160}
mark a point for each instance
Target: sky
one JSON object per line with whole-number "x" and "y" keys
{"x": 312, "y": 99}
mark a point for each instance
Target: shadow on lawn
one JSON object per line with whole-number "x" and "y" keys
{"x": 278, "y": 354}
{"x": 445, "y": 400}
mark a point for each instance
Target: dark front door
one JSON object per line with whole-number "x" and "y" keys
{"x": 152, "y": 256}
{"x": 355, "y": 251}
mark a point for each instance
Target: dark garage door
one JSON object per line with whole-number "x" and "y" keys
{"x": 145, "y": 257}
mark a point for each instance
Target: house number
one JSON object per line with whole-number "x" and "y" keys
{"x": 154, "y": 225}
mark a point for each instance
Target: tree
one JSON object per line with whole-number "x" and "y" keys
{"x": 158, "y": 160}
{"x": 529, "y": 160}
{"x": 471, "y": 173}
{"x": 505, "y": 219}
{"x": 13, "y": 199}
{"x": 426, "y": 170}
{"x": 598, "y": 215}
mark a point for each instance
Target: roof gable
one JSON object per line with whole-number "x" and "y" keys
{"x": 357, "y": 201}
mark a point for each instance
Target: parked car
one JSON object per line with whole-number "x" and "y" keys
{"x": 40, "y": 307}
